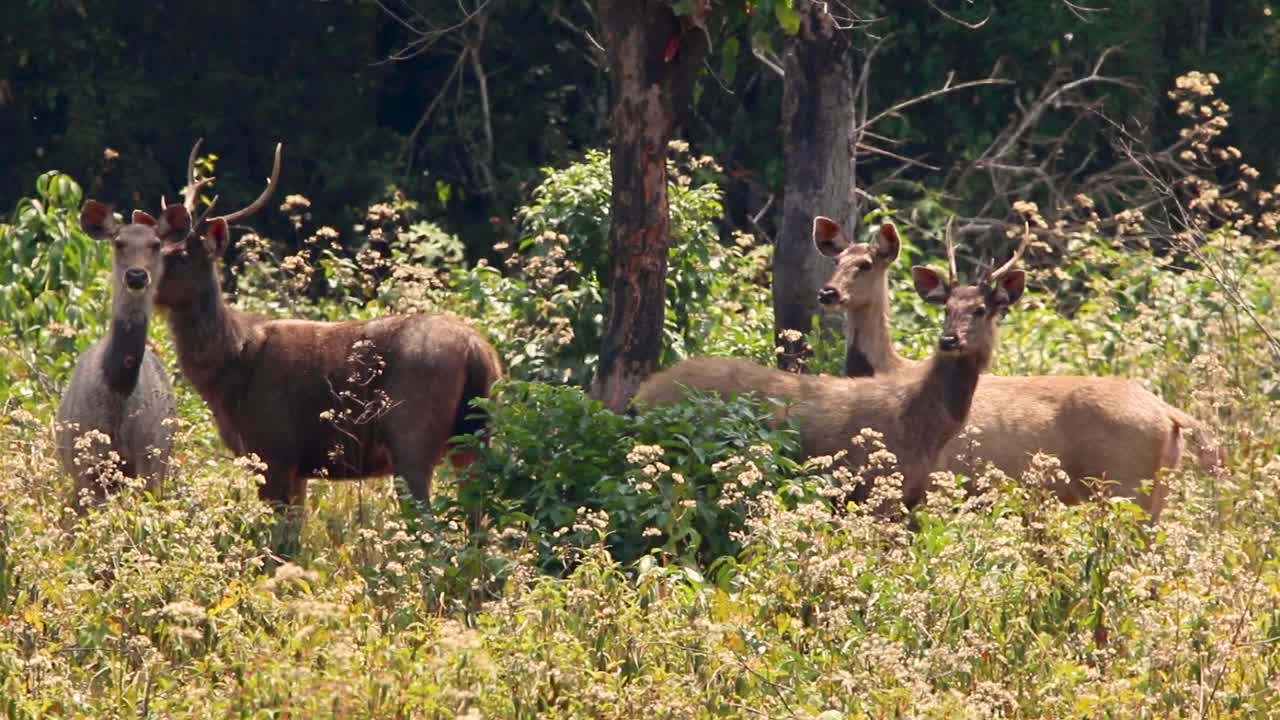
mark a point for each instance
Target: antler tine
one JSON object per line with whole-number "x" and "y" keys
{"x": 199, "y": 222}
{"x": 191, "y": 161}
{"x": 164, "y": 204}
{"x": 951, "y": 251}
{"x": 191, "y": 193}
{"x": 1017, "y": 255}
{"x": 257, "y": 205}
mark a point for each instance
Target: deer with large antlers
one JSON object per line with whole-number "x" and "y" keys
{"x": 917, "y": 412}
{"x": 1104, "y": 428}
{"x": 342, "y": 400}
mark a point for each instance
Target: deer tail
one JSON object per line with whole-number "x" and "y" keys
{"x": 483, "y": 369}
{"x": 1209, "y": 454}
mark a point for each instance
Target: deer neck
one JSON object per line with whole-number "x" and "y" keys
{"x": 126, "y": 341}
{"x": 946, "y": 388}
{"x": 210, "y": 337}
{"x": 868, "y": 340}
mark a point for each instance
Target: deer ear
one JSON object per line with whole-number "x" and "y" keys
{"x": 930, "y": 285}
{"x": 175, "y": 224}
{"x": 97, "y": 220}
{"x": 887, "y": 242}
{"x": 1012, "y": 283}
{"x": 141, "y": 217}
{"x": 828, "y": 237}
{"x": 216, "y": 237}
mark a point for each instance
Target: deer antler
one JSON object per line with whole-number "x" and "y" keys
{"x": 1017, "y": 254}
{"x": 257, "y": 205}
{"x": 199, "y": 221}
{"x": 951, "y": 251}
{"x": 191, "y": 192}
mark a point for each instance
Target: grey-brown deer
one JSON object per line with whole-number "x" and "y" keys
{"x": 1103, "y": 428}
{"x": 341, "y": 400}
{"x": 917, "y": 412}
{"x": 119, "y": 398}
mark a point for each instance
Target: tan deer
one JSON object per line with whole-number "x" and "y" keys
{"x": 918, "y": 411}
{"x": 341, "y": 400}
{"x": 1105, "y": 428}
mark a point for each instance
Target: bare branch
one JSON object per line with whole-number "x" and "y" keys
{"x": 1082, "y": 12}
{"x": 772, "y": 63}
{"x": 900, "y": 158}
{"x": 946, "y": 88}
{"x": 431, "y": 108}
{"x": 486, "y": 164}
{"x": 963, "y": 23}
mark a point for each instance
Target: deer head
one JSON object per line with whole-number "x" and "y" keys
{"x": 859, "y": 276}
{"x": 137, "y": 258}
{"x": 973, "y": 311}
{"x": 191, "y": 260}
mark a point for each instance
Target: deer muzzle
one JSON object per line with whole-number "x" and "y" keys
{"x": 136, "y": 279}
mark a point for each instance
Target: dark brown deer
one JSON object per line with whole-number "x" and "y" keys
{"x": 1106, "y": 428}
{"x": 341, "y": 400}
{"x": 918, "y": 412}
{"x": 119, "y": 398}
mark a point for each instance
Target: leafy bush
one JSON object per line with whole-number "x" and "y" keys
{"x": 682, "y": 479}
{"x": 54, "y": 286}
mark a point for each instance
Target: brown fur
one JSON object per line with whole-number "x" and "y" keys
{"x": 917, "y": 412}
{"x": 272, "y": 385}
{"x": 1107, "y": 428}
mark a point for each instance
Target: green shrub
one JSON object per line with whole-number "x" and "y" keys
{"x": 682, "y": 479}
{"x": 55, "y": 290}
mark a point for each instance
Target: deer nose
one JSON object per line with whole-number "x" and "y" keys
{"x": 136, "y": 278}
{"x": 828, "y": 295}
{"x": 949, "y": 342}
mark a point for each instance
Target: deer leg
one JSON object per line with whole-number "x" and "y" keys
{"x": 417, "y": 477}
{"x": 283, "y": 486}
{"x": 286, "y": 492}
{"x": 414, "y": 456}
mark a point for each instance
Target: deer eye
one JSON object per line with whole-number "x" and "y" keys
{"x": 864, "y": 265}
{"x": 120, "y": 245}
{"x": 980, "y": 312}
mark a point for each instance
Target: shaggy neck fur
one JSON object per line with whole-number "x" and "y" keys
{"x": 126, "y": 342}
{"x": 957, "y": 375}
{"x": 209, "y": 336}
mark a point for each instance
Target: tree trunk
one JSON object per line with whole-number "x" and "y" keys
{"x": 653, "y": 60}
{"x": 817, "y": 116}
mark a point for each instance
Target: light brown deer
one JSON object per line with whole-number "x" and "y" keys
{"x": 343, "y": 400}
{"x": 1104, "y": 428}
{"x": 918, "y": 411}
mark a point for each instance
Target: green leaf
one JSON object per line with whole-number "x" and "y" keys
{"x": 787, "y": 17}
{"x": 729, "y": 60}
{"x": 682, "y": 8}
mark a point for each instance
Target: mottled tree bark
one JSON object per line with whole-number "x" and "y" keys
{"x": 653, "y": 60}
{"x": 817, "y": 116}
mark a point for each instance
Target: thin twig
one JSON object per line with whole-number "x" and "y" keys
{"x": 946, "y": 88}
